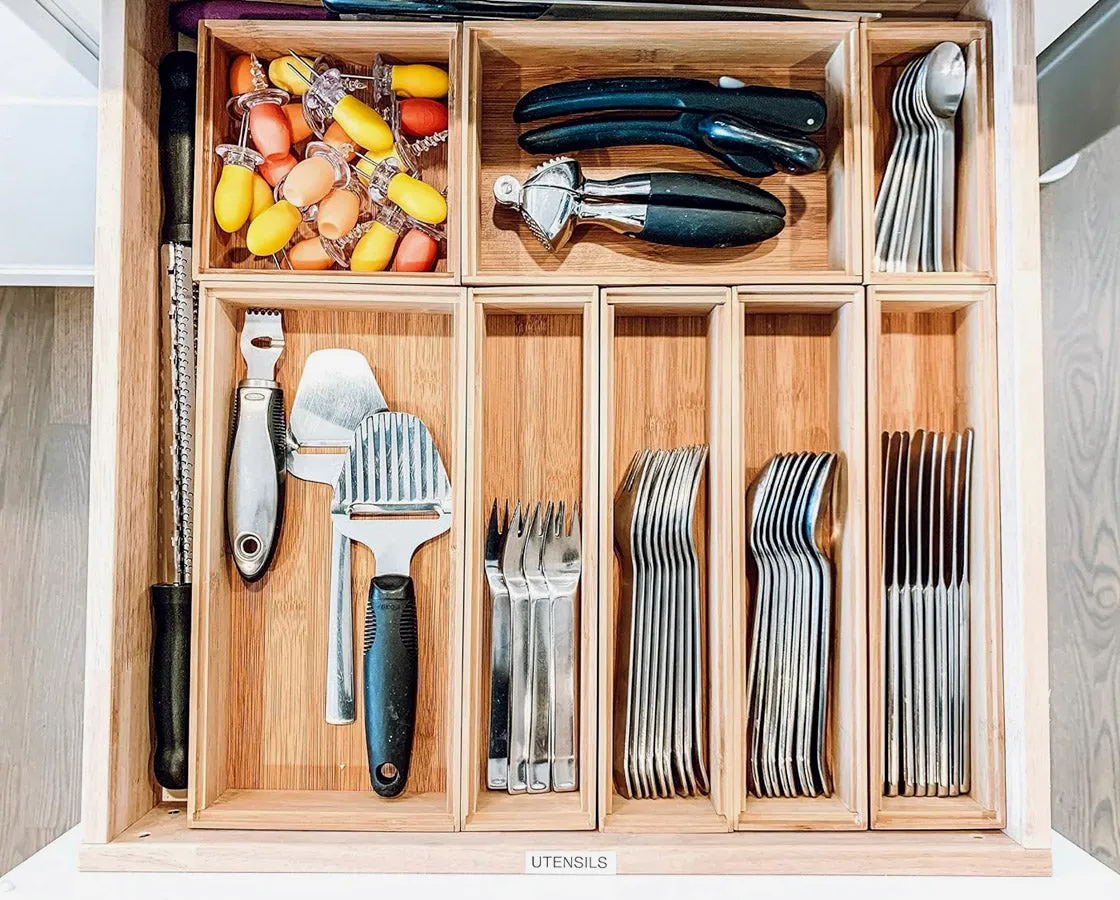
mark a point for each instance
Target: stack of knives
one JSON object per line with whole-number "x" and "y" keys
{"x": 926, "y": 496}
{"x": 790, "y": 542}
{"x": 533, "y": 568}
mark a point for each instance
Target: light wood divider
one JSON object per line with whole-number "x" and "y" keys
{"x": 353, "y": 46}
{"x": 533, "y": 434}
{"x": 931, "y": 365}
{"x": 503, "y": 60}
{"x": 262, "y": 754}
{"x": 800, "y": 386}
{"x": 665, "y": 375}
{"x": 888, "y": 46}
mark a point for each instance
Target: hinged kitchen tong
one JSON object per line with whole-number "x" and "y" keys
{"x": 753, "y": 130}
{"x": 680, "y": 209}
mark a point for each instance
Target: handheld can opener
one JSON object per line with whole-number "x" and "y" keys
{"x": 258, "y": 448}
{"x": 675, "y": 208}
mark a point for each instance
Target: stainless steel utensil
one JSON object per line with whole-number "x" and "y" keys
{"x": 540, "y": 650}
{"x": 513, "y": 550}
{"x": 394, "y": 475}
{"x": 337, "y": 390}
{"x": 255, "y": 477}
{"x": 659, "y": 734}
{"x": 915, "y": 219}
{"x": 926, "y": 517}
{"x": 562, "y": 561}
{"x": 497, "y": 755}
{"x": 787, "y": 686}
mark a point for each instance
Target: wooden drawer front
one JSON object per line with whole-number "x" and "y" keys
{"x": 541, "y": 379}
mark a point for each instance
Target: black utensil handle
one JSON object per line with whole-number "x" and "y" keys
{"x": 679, "y": 131}
{"x": 797, "y": 155}
{"x": 709, "y": 228}
{"x": 391, "y": 663}
{"x": 710, "y": 192}
{"x": 176, "y": 143}
{"x": 171, "y": 674}
{"x": 802, "y": 112}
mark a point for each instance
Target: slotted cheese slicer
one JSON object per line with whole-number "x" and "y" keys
{"x": 393, "y": 495}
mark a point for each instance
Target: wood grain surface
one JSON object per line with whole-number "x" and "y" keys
{"x": 1081, "y": 322}
{"x": 45, "y": 347}
{"x": 532, "y": 423}
{"x": 510, "y": 59}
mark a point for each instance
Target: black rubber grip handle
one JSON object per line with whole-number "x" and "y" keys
{"x": 171, "y": 680}
{"x": 801, "y": 112}
{"x": 711, "y": 228}
{"x": 711, "y": 192}
{"x": 596, "y": 132}
{"x": 391, "y": 664}
{"x": 177, "y": 74}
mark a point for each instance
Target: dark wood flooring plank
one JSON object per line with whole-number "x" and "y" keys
{"x": 45, "y": 357}
{"x": 1081, "y": 302}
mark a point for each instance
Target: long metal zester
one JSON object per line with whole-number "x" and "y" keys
{"x": 171, "y": 603}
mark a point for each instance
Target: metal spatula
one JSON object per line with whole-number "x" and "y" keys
{"x": 395, "y": 476}
{"x": 337, "y": 390}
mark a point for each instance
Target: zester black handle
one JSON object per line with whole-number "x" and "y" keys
{"x": 595, "y": 132}
{"x": 710, "y": 192}
{"x": 802, "y": 112}
{"x": 391, "y": 663}
{"x": 171, "y": 675}
{"x": 177, "y": 75}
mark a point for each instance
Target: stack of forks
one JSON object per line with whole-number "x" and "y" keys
{"x": 926, "y": 497}
{"x": 658, "y": 704}
{"x": 790, "y": 542}
{"x": 532, "y": 570}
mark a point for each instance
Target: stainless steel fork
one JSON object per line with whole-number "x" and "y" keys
{"x": 497, "y": 762}
{"x": 562, "y": 561}
{"x": 540, "y": 651}
{"x": 513, "y": 548}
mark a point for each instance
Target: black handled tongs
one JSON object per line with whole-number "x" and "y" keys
{"x": 754, "y": 130}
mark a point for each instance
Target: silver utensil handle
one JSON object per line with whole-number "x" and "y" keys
{"x": 340, "y": 635}
{"x": 563, "y": 731}
{"x": 497, "y": 763}
{"x": 519, "y": 699}
{"x": 540, "y": 769}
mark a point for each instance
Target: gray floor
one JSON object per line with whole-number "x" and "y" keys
{"x": 1081, "y": 273}
{"x": 45, "y": 347}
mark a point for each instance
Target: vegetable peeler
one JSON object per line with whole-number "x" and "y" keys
{"x": 674, "y": 208}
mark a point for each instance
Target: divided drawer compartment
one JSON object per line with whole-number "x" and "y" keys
{"x": 263, "y": 755}
{"x": 888, "y": 47}
{"x": 533, "y": 436}
{"x": 354, "y": 45}
{"x": 821, "y": 240}
{"x": 665, "y": 377}
{"x": 800, "y": 386}
{"x": 932, "y": 366}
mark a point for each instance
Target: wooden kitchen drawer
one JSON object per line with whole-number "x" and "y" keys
{"x": 264, "y": 757}
{"x": 543, "y": 378}
{"x": 821, "y": 240}
{"x": 354, "y": 45}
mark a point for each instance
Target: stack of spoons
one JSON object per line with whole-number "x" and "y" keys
{"x": 790, "y": 543}
{"x": 915, "y": 212}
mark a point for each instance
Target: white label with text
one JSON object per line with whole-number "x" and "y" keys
{"x": 571, "y": 862}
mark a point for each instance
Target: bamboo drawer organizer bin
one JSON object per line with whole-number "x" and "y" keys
{"x": 540, "y": 375}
